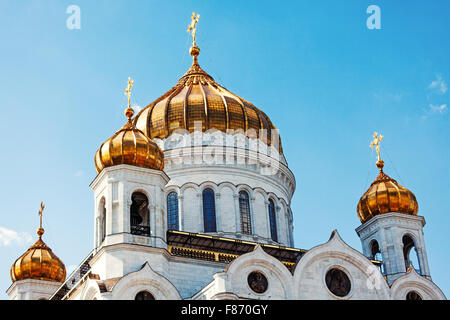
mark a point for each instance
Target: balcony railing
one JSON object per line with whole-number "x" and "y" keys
{"x": 140, "y": 230}
{"x": 71, "y": 282}
{"x": 212, "y": 255}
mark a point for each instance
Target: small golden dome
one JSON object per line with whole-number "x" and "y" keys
{"x": 386, "y": 195}
{"x": 38, "y": 262}
{"x": 198, "y": 98}
{"x": 129, "y": 145}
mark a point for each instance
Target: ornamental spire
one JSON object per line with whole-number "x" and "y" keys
{"x": 40, "y": 231}
{"x": 192, "y": 27}
{"x": 129, "y": 111}
{"x": 194, "y": 50}
{"x": 376, "y": 143}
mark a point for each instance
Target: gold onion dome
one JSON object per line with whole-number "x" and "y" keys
{"x": 386, "y": 195}
{"x": 38, "y": 262}
{"x": 198, "y": 98}
{"x": 130, "y": 146}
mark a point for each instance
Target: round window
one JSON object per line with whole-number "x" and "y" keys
{"x": 412, "y": 295}
{"x": 257, "y": 282}
{"x": 338, "y": 282}
{"x": 144, "y": 295}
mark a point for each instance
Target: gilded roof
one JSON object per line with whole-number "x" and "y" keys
{"x": 197, "y": 97}
{"x": 129, "y": 145}
{"x": 386, "y": 195}
{"x": 38, "y": 262}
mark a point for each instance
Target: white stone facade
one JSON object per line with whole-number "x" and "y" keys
{"x": 169, "y": 277}
{"x": 32, "y": 289}
{"x": 388, "y": 230}
{"x": 124, "y": 263}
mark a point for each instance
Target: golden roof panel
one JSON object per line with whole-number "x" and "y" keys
{"x": 129, "y": 145}
{"x": 198, "y": 98}
{"x": 386, "y": 195}
{"x": 38, "y": 262}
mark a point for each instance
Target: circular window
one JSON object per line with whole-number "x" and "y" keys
{"x": 412, "y": 295}
{"x": 338, "y": 282}
{"x": 257, "y": 282}
{"x": 144, "y": 295}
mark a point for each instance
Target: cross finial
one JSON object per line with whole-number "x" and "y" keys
{"x": 128, "y": 90}
{"x": 192, "y": 27}
{"x": 376, "y": 143}
{"x": 129, "y": 111}
{"x": 40, "y": 231}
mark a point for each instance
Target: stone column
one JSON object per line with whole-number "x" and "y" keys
{"x": 218, "y": 212}
{"x": 181, "y": 212}
{"x": 237, "y": 213}
{"x": 252, "y": 214}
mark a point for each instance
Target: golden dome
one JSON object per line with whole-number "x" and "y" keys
{"x": 130, "y": 146}
{"x": 38, "y": 262}
{"x": 198, "y": 98}
{"x": 386, "y": 195}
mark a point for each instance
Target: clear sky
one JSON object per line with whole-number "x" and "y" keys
{"x": 325, "y": 80}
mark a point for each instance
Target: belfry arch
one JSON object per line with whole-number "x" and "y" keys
{"x": 140, "y": 214}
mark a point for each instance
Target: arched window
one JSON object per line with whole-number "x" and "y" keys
{"x": 376, "y": 254}
{"x": 209, "y": 210}
{"x": 410, "y": 260}
{"x": 172, "y": 211}
{"x": 139, "y": 214}
{"x": 412, "y": 295}
{"x": 273, "y": 221}
{"x": 144, "y": 295}
{"x": 244, "y": 209}
{"x": 102, "y": 219}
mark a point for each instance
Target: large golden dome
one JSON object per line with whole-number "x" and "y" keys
{"x": 198, "y": 98}
{"x": 38, "y": 262}
{"x": 130, "y": 146}
{"x": 386, "y": 195}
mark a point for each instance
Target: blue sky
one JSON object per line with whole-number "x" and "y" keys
{"x": 325, "y": 80}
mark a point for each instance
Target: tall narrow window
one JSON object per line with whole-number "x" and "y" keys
{"x": 273, "y": 221}
{"x": 410, "y": 260}
{"x": 376, "y": 254}
{"x": 102, "y": 219}
{"x": 172, "y": 211}
{"x": 244, "y": 209}
{"x": 140, "y": 214}
{"x": 209, "y": 210}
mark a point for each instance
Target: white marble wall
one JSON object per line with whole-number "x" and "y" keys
{"x": 388, "y": 230}
{"x": 227, "y": 210}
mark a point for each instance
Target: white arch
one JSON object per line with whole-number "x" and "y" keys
{"x": 144, "y": 279}
{"x": 90, "y": 290}
{"x": 209, "y": 185}
{"x": 189, "y": 185}
{"x": 309, "y": 275}
{"x": 411, "y": 281}
{"x": 278, "y": 276}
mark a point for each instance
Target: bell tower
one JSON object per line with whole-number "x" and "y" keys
{"x": 391, "y": 230}
{"x": 129, "y": 188}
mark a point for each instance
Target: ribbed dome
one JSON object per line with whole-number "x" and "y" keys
{"x": 38, "y": 262}
{"x": 386, "y": 195}
{"x": 197, "y": 97}
{"x": 130, "y": 146}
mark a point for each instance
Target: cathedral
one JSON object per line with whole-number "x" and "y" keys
{"x": 192, "y": 201}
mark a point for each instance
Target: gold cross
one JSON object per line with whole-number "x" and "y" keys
{"x": 40, "y": 214}
{"x": 376, "y": 142}
{"x": 192, "y": 27}
{"x": 128, "y": 90}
